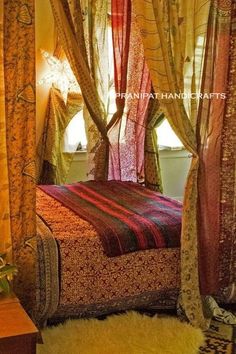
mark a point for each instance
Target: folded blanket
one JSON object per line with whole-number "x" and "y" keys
{"x": 127, "y": 216}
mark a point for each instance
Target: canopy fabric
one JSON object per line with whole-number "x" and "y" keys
{"x": 210, "y": 132}
{"x": 132, "y": 86}
{"x": 164, "y": 31}
{"x": 56, "y": 162}
{"x": 95, "y": 22}
{"x": 5, "y": 245}
{"x": 69, "y": 22}
{"x": 19, "y": 124}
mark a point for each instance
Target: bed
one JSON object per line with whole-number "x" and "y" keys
{"x": 75, "y": 275}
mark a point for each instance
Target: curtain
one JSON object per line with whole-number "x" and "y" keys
{"x": 227, "y": 242}
{"x": 209, "y": 133}
{"x": 69, "y": 22}
{"x": 151, "y": 154}
{"x": 19, "y": 76}
{"x": 121, "y": 25}
{"x": 127, "y": 134}
{"x": 5, "y": 244}
{"x": 163, "y": 28}
{"x": 95, "y": 21}
{"x": 56, "y": 163}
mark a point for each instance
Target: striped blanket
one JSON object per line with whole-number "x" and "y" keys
{"x": 127, "y": 216}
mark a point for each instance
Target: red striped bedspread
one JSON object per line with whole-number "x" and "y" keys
{"x": 127, "y": 216}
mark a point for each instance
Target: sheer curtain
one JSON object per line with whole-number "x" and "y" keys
{"x": 56, "y": 162}
{"x": 127, "y": 135}
{"x": 95, "y": 22}
{"x": 163, "y": 27}
{"x": 69, "y": 21}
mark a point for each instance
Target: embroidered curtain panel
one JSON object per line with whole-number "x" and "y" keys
{"x": 56, "y": 163}
{"x": 132, "y": 77}
{"x": 19, "y": 124}
{"x": 163, "y": 26}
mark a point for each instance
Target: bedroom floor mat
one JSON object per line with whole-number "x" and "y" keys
{"x": 129, "y": 333}
{"x": 220, "y": 339}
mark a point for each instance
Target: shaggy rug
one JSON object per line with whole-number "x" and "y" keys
{"x": 129, "y": 333}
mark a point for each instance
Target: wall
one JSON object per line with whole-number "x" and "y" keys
{"x": 174, "y": 168}
{"x": 45, "y": 39}
{"x": 78, "y": 169}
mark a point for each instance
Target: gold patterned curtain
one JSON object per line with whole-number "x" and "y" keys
{"x": 152, "y": 167}
{"x": 19, "y": 81}
{"x": 68, "y": 17}
{"x": 163, "y": 25}
{"x": 5, "y": 243}
{"x": 56, "y": 162}
{"x": 95, "y": 25}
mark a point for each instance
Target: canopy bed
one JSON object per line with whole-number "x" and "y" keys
{"x": 170, "y": 59}
{"x": 106, "y": 246}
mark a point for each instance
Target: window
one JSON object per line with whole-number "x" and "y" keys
{"x": 75, "y": 134}
{"x": 167, "y": 139}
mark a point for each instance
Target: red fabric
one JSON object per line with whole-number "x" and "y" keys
{"x": 126, "y": 216}
{"x": 209, "y": 127}
{"x": 121, "y": 22}
{"x": 131, "y": 77}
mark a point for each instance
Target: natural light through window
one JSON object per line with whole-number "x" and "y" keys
{"x": 167, "y": 139}
{"x": 75, "y": 135}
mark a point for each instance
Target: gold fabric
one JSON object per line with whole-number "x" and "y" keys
{"x": 151, "y": 154}
{"x": 5, "y": 238}
{"x": 19, "y": 73}
{"x": 164, "y": 33}
{"x": 69, "y": 22}
{"x": 95, "y": 31}
{"x": 56, "y": 163}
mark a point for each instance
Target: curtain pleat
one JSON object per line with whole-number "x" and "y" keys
{"x": 19, "y": 76}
